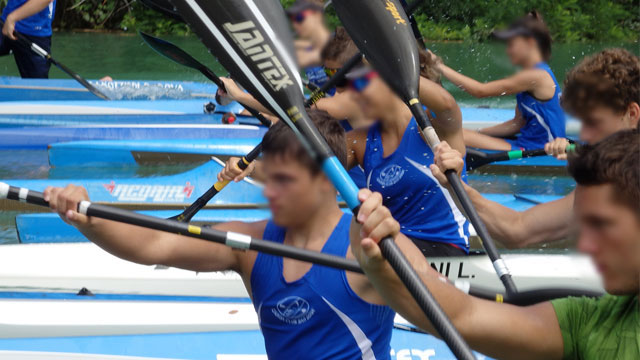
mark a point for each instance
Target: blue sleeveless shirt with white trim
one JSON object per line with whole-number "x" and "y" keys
{"x": 545, "y": 120}
{"x": 425, "y": 210}
{"x": 317, "y": 316}
{"x": 38, "y": 24}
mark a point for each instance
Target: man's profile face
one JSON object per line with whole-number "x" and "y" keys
{"x": 610, "y": 234}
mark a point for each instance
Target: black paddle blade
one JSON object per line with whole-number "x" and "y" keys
{"x": 164, "y": 7}
{"x": 382, "y": 31}
{"x": 171, "y": 51}
{"x": 476, "y": 158}
{"x": 251, "y": 39}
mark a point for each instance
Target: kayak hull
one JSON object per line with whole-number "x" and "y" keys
{"x": 18, "y": 89}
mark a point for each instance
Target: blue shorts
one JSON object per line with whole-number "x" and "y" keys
{"x": 29, "y": 63}
{"x": 515, "y": 145}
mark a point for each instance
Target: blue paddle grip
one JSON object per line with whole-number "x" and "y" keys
{"x": 342, "y": 181}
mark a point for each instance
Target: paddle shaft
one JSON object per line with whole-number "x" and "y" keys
{"x": 409, "y": 9}
{"x": 477, "y": 158}
{"x": 202, "y": 201}
{"x": 234, "y": 240}
{"x": 42, "y": 52}
{"x": 430, "y": 136}
{"x": 176, "y": 54}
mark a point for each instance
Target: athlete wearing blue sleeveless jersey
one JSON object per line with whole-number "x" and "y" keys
{"x": 32, "y": 18}
{"x": 539, "y": 118}
{"x": 396, "y": 161}
{"x": 305, "y": 311}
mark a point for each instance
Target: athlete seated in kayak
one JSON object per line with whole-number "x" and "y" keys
{"x": 31, "y": 18}
{"x": 607, "y": 209}
{"x": 305, "y": 311}
{"x": 307, "y": 19}
{"x": 539, "y": 118}
{"x": 396, "y": 161}
{"x": 603, "y": 92}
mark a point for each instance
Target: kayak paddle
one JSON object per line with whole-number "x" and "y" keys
{"x": 381, "y": 31}
{"x": 253, "y": 42}
{"x": 477, "y": 158}
{"x": 409, "y": 9}
{"x": 243, "y": 163}
{"x": 42, "y": 52}
{"x": 244, "y": 242}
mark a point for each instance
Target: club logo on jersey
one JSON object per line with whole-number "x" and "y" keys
{"x": 391, "y": 8}
{"x": 293, "y": 310}
{"x": 152, "y": 193}
{"x": 390, "y": 175}
{"x": 252, "y": 43}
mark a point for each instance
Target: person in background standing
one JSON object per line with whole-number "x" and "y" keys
{"x": 31, "y": 18}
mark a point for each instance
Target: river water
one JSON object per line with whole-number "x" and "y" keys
{"x": 127, "y": 57}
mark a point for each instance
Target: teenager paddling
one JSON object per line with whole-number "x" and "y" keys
{"x": 343, "y": 317}
{"x": 603, "y": 92}
{"x": 539, "y": 118}
{"x": 396, "y": 161}
{"x": 607, "y": 209}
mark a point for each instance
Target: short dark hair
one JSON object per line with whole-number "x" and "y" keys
{"x": 614, "y": 160}
{"x": 340, "y": 48}
{"x": 281, "y": 141}
{"x": 610, "y": 78}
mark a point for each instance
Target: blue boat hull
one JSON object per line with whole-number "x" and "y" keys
{"x": 162, "y": 191}
{"x": 42, "y": 137}
{"x": 127, "y": 152}
{"x": 17, "y": 89}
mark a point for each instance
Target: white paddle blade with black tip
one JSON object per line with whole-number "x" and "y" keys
{"x": 382, "y": 31}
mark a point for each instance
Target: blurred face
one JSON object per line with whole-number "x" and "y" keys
{"x": 331, "y": 67}
{"x": 519, "y": 49}
{"x": 610, "y": 234}
{"x": 372, "y": 94}
{"x": 293, "y": 193}
{"x": 307, "y": 22}
{"x": 601, "y": 121}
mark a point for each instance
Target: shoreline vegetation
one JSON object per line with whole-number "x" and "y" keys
{"x": 463, "y": 20}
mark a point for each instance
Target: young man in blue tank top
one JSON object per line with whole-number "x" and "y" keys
{"x": 305, "y": 311}
{"x": 539, "y": 118}
{"x": 31, "y": 18}
{"x": 396, "y": 161}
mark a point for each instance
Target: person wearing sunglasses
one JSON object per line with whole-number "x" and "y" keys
{"x": 539, "y": 118}
{"x": 396, "y": 160}
{"x": 307, "y": 19}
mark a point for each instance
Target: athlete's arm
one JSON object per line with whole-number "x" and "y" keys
{"x": 515, "y": 229}
{"x": 448, "y": 120}
{"x": 234, "y": 92}
{"x": 340, "y": 106}
{"x": 146, "y": 246}
{"x": 232, "y": 172}
{"x": 531, "y": 80}
{"x": 507, "y": 128}
{"x": 29, "y": 8}
{"x": 498, "y": 330}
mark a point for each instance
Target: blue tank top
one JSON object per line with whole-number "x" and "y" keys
{"x": 317, "y": 77}
{"x": 424, "y": 209}
{"x": 317, "y": 316}
{"x": 36, "y": 25}
{"x": 545, "y": 120}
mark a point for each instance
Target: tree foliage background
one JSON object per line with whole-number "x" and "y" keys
{"x": 467, "y": 20}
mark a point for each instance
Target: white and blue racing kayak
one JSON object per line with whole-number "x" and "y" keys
{"x": 18, "y": 89}
{"x": 168, "y": 192}
{"x": 212, "y": 129}
{"x": 173, "y": 328}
